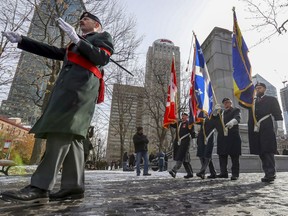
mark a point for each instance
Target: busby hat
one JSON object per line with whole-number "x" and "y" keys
{"x": 87, "y": 14}
{"x": 260, "y": 84}
{"x": 225, "y": 99}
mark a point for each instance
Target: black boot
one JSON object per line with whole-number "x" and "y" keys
{"x": 67, "y": 194}
{"x": 172, "y": 173}
{"x": 188, "y": 169}
{"x": 29, "y": 194}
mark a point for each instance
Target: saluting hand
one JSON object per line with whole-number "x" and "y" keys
{"x": 69, "y": 30}
{"x": 13, "y": 37}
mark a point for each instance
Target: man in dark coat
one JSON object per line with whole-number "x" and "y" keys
{"x": 141, "y": 149}
{"x": 228, "y": 139}
{"x": 68, "y": 114}
{"x": 205, "y": 144}
{"x": 182, "y": 139}
{"x": 262, "y": 138}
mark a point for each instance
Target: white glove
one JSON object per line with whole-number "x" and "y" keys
{"x": 69, "y": 30}
{"x": 216, "y": 109}
{"x": 231, "y": 123}
{"x": 279, "y": 124}
{"x": 13, "y": 37}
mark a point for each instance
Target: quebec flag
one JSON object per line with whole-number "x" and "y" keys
{"x": 202, "y": 86}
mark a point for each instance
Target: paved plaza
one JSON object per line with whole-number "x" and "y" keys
{"x": 115, "y": 193}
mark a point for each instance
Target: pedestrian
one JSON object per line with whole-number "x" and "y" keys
{"x": 69, "y": 111}
{"x": 228, "y": 138}
{"x": 261, "y": 135}
{"x": 205, "y": 144}
{"x": 125, "y": 161}
{"x": 161, "y": 161}
{"x": 182, "y": 140}
{"x": 87, "y": 144}
{"x": 131, "y": 161}
{"x": 141, "y": 149}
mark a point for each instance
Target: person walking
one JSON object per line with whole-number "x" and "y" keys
{"x": 125, "y": 161}
{"x": 87, "y": 144}
{"x": 182, "y": 139}
{"x": 141, "y": 149}
{"x": 261, "y": 133}
{"x": 161, "y": 160}
{"x": 228, "y": 139}
{"x": 69, "y": 111}
{"x": 205, "y": 144}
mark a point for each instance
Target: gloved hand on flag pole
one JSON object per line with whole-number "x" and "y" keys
{"x": 69, "y": 30}
{"x": 13, "y": 37}
{"x": 216, "y": 109}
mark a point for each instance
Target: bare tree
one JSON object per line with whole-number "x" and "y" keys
{"x": 14, "y": 16}
{"x": 269, "y": 16}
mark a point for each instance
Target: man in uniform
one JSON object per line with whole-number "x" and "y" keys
{"x": 67, "y": 116}
{"x": 228, "y": 139}
{"x": 182, "y": 139}
{"x": 205, "y": 144}
{"x": 262, "y": 138}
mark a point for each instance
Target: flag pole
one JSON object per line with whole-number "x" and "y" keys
{"x": 188, "y": 62}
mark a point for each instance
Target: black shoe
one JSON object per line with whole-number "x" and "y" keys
{"x": 188, "y": 176}
{"x": 211, "y": 176}
{"x": 172, "y": 173}
{"x": 222, "y": 176}
{"x": 268, "y": 179}
{"x": 233, "y": 178}
{"x": 29, "y": 194}
{"x": 201, "y": 175}
{"x": 147, "y": 174}
{"x": 67, "y": 194}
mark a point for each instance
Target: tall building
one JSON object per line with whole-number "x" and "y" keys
{"x": 284, "y": 100}
{"x": 157, "y": 79}
{"x": 125, "y": 115}
{"x": 137, "y": 106}
{"x": 33, "y": 72}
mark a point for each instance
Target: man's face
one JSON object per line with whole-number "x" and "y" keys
{"x": 227, "y": 104}
{"x": 88, "y": 25}
{"x": 184, "y": 118}
{"x": 260, "y": 90}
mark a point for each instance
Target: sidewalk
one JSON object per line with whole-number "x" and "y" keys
{"x": 117, "y": 193}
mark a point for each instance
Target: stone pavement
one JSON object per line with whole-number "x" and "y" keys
{"x": 115, "y": 193}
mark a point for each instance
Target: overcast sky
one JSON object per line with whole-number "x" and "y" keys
{"x": 176, "y": 19}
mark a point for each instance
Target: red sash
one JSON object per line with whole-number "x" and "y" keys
{"x": 79, "y": 60}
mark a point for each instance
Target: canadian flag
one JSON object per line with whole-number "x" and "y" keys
{"x": 170, "y": 115}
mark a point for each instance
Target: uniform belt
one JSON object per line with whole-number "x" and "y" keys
{"x": 257, "y": 124}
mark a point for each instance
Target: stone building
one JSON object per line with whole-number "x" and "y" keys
{"x": 125, "y": 115}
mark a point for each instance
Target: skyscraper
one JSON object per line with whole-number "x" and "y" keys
{"x": 157, "y": 78}
{"x": 34, "y": 73}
